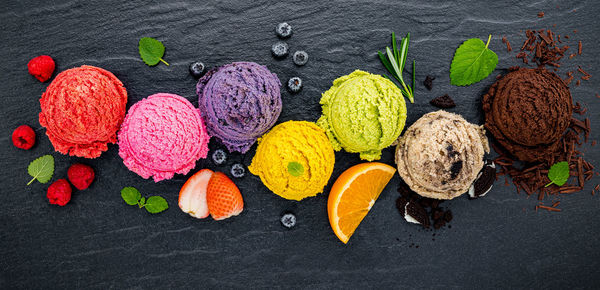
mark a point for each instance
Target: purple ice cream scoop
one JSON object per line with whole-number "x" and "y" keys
{"x": 239, "y": 103}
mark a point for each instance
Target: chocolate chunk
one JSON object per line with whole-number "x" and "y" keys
{"x": 437, "y": 214}
{"x": 484, "y": 182}
{"x": 428, "y": 82}
{"x": 405, "y": 190}
{"x": 450, "y": 150}
{"x": 401, "y": 205}
{"x": 438, "y": 224}
{"x": 444, "y": 102}
{"x": 455, "y": 169}
{"x": 417, "y": 212}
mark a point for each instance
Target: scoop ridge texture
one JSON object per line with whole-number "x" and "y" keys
{"x": 363, "y": 113}
{"x": 294, "y": 141}
{"x": 162, "y": 135}
{"x": 239, "y": 102}
{"x": 441, "y": 154}
{"x": 82, "y": 109}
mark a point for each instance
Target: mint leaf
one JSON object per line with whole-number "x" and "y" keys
{"x": 558, "y": 173}
{"x": 151, "y": 51}
{"x": 156, "y": 204}
{"x": 295, "y": 168}
{"x": 41, "y": 169}
{"x": 473, "y": 61}
{"x": 130, "y": 195}
{"x": 142, "y": 202}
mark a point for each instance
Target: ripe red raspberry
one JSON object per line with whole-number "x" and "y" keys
{"x": 81, "y": 175}
{"x": 41, "y": 67}
{"x": 23, "y": 137}
{"x": 59, "y": 192}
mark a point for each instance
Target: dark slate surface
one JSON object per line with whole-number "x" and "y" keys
{"x": 99, "y": 242}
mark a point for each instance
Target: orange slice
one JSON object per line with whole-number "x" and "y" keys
{"x": 353, "y": 194}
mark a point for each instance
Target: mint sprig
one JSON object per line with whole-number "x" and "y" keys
{"x": 41, "y": 169}
{"x": 558, "y": 173}
{"x": 154, "y": 204}
{"x": 151, "y": 51}
{"x": 295, "y": 169}
{"x": 473, "y": 61}
{"x": 394, "y": 63}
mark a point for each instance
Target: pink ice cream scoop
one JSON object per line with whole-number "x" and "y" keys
{"x": 161, "y": 135}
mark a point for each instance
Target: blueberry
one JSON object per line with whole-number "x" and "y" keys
{"x": 219, "y": 157}
{"x": 283, "y": 30}
{"x": 280, "y": 49}
{"x": 295, "y": 84}
{"x": 238, "y": 170}
{"x": 288, "y": 220}
{"x": 197, "y": 69}
{"x": 300, "y": 57}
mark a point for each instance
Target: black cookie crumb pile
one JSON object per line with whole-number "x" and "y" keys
{"x": 425, "y": 210}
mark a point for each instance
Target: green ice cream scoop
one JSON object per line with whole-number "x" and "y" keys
{"x": 363, "y": 113}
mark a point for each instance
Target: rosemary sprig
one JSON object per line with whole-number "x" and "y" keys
{"x": 394, "y": 63}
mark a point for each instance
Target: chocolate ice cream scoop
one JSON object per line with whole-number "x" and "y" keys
{"x": 528, "y": 111}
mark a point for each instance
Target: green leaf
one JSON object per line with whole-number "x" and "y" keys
{"x": 473, "y": 61}
{"x": 295, "y": 169}
{"x": 403, "y": 53}
{"x": 395, "y": 46}
{"x": 156, "y": 204}
{"x": 558, "y": 173}
{"x": 130, "y": 195}
{"x": 394, "y": 61}
{"x": 151, "y": 51}
{"x": 41, "y": 169}
{"x": 142, "y": 201}
{"x": 412, "y": 89}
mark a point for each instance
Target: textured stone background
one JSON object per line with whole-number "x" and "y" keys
{"x": 99, "y": 242}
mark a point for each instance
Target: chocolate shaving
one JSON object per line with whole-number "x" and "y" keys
{"x": 505, "y": 41}
{"x": 540, "y": 14}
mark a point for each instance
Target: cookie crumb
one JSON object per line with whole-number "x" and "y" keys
{"x": 443, "y": 102}
{"x": 428, "y": 83}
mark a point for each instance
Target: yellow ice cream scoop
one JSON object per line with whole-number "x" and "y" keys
{"x": 294, "y": 160}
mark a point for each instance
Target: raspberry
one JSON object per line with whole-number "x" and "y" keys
{"x": 41, "y": 67}
{"x": 81, "y": 175}
{"x": 59, "y": 192}
{"x": 23, "y": 137}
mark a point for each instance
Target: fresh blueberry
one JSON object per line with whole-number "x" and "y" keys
{"x": 300, "y": 57}
{"x": 219, "y": 157}
{"x": 295, "y": 84}
{"x": 238, "y": 170}
{"x": 288, "y": 220}
{"x": 197, "y": 69}
{"x": 283, "y": 30}
{"x": 280, "y": 49}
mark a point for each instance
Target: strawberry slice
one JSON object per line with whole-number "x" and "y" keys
{"x": 192, "y": 196}
{"x": 223, "y": 197}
